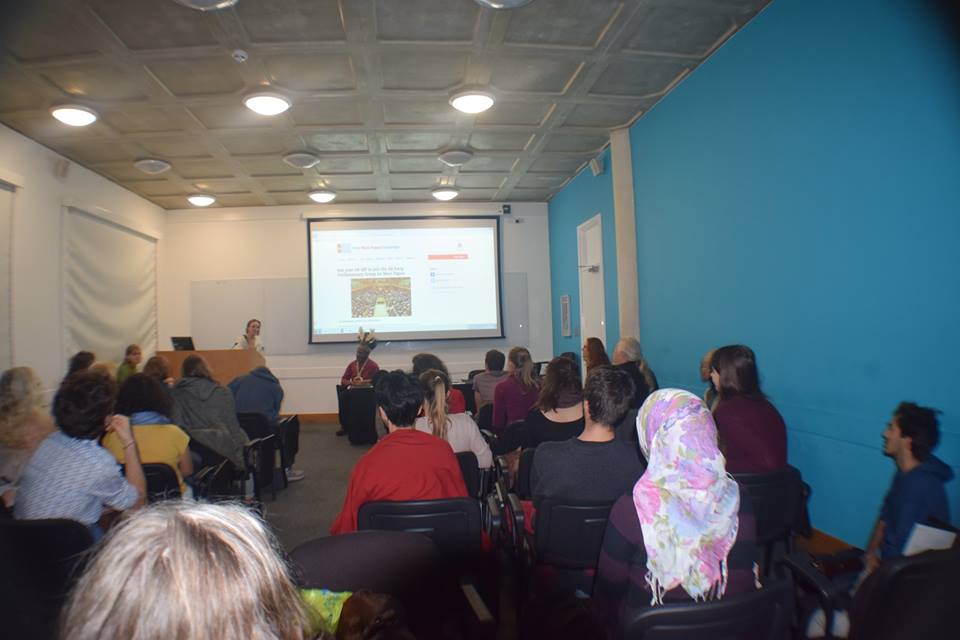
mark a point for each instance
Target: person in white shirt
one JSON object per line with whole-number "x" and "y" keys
{"x": 250, "y": 339}
{"x": 458, "y": 429}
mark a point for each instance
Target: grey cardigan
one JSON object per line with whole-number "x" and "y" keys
{"x": 207, "y": 413}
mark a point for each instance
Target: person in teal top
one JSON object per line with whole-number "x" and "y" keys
{"x": 131, "y": 360}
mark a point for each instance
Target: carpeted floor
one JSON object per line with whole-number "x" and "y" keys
{"x": 306, "y": 509}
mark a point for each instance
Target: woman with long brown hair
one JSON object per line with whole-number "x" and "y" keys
{"x": 513, "y": 398}
{"x": 594, "y": 354}
{"x": 458, "y": 429}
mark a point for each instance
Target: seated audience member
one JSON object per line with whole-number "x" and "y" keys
{"x": 23, "y": 426}
{"x": 515, "y": 396}
{"x": 594, "y": 465}
{"x": 458, "y": 429}
{"x": 685, "y": 533}
{"x": 710, "y": 393}
{"x": 627, "y": 356}
{"x": 753, "y": 437}
{"x": 147, "y": 403}
{"x": 260, "y": 392}
{"x": 406, "y": 464}
{"x": 251, "y": 338}
{"x": 493, "y": 374}
{"x": 916, "y": 492}
{"x": 187, "y": 571}
{"x": 131, "y": 360}
{"x": 81, "y": 361}
{"x": 558, "y": 414}
{"x": 361, "y": 370}
{"x": 158, "y": 368}
{"x": 422, "y": 362}
{"x": 70, "y": 475}
{"x": 594, "y": 354}
{"x": 207, "y": 413}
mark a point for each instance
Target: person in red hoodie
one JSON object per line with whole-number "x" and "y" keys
{"x": 406, "y": 464}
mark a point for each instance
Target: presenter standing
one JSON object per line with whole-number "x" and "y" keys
{"x": 361, "y": 370}
{"x": 251, "y": 339}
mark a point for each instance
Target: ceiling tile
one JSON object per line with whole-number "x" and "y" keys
{"x": 481, "y": 182}
{"x": 352, "y": 182}
{"x": 426, "y": 20}
{"x": 311, "y": 72}
{"x": 18, "y": 92}
{"x": 572, "y": 23}
{"x": 259, "y": 144}
{"x": 566, "y": 164}
{"x": 414, "y": 180}
{"x": 171, "y": 202}
{"x": 176, "y": 148}
{"x": 641, "y": 77}
{"x": 423, "y": 70}
{"x": 337, "y": 141}
{"x": 604, "y": 115}
{"x": 220, "y": 185}
{"x": 149, "y": 24}
{"x": 141, "y": 120}
{"x": 541, "y": 181}
{"x": 49, "y": 129}
{"x": 239, "y": 200}
{"x": 476, "y": 194}
{"x": 94, "y": 81}
{"x": 577, "y": 143}
{"x": 516, "y": 113}
{"x": 192, "y": 169}
{"x": 45, "y": 31}
{"x": 401, "y": 163}
{"x": 94, "y": 152}
{"x": 411, "y": 195}
{"x": 123, "y": 172}
{"x": 269, "y": 165}
{"x": 418, "y": 112}
{"x": 489, "y": 163}
{"x": 487, "y": 141}
{"x": 285, "y": 183}
{"x": 332, "y": 164}
{"x": 326, "y": 112}
{"x": 690, "y": 30}
{"x": 530, "y": 195}
{"x": 417, "y": 141}
{"x": 291, "y": 197}
{"x": 198, "y": 76}
{"x": 153, "y": 187}
{"x": 233, "y": 115}
{"x": 356, "y": 196}
{"x": 529, "y": 72}
{"x": 292, "y": 20}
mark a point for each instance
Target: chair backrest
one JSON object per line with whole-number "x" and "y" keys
{"x": 779, "y": 502}
{"x": 452, "y": 523}
{"x": 759, "y": 615}
{"x": 909, "y": 597}
{"x": 41, "y": 559}
{"x": 474, "y": 373}
{"x": 261, "y": 458}
{"x": 471, "y": 472}
{"x": 524, "y": 490}
{"x": 485, "y": 416}
{"x": 469, "y": 400}
{"x": 569, "y": 533}
{"x": 162, "y": 482}
{"x": 256, "y": 425}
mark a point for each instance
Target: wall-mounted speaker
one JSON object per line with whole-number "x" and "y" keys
{"x": 596, "y": 166}
{"x": 565, "y": 329}
{"x": 61, "y": 168}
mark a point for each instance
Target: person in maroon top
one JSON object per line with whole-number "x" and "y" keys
{"x": 406, "y": 464}
{"x": 423, "y": 362}
{"x": 752, "y": 433}
{"x": 515, "y": 396}
{"x": 360, "y": 370}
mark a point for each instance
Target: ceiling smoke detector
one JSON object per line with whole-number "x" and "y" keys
{"x": 153, "y": 166}
{"x": 445, "y": 193}
{"x": 322, "y": 196}
{"x": 207, "y": 5}
{"x": 301, "y": 159}
{"x": 455, "y": 157}
{"x": 503, "y": 4}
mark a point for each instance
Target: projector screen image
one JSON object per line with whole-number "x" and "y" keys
{"x": 404, "y": 278}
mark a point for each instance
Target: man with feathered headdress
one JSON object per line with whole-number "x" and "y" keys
{"x": 361, "y": 370}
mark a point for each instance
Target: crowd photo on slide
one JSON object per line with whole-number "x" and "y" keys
{"x": 380, "y": 297}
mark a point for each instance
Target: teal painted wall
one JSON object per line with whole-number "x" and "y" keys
{"x": 583, "y": 198}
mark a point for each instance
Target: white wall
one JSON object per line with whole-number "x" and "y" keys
{"x": 270, "y": 242}
{"x": 37, "y": 221}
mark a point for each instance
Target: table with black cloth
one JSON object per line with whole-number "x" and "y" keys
{"x": 357, "y": 412}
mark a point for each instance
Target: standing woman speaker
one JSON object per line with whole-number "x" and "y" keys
{"x": 251, "y": 338}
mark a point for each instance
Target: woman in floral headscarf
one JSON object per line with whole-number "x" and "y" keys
{"x": 686, "y": 533}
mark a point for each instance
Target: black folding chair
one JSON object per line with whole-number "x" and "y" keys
{"x": 780, "y": 504}
{"x": 162, "y": 482}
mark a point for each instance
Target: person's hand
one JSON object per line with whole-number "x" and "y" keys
{"x": 120, "y": 425}
{"x": 358, "y": 380}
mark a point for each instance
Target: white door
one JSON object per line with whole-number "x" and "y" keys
{"x": 590, "y": 253}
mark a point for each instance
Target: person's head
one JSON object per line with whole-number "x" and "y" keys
{"x": 195, "y": 366}
{"x": 913, "y": 430}
{"x": 594, "y": 354}
{"x": 158, "y": 368}
{"x": 155, "y": 573}
{"x": 83, "y": 404}
{"x": 561, "y": 385}
{"x": 253, "y": 328}
{"x": 494, "y": 360}
{"x": 434, "y": 384}
{"x": 133, "y": 354}
{"x": 399, "y": 398}
{"x": 426, "y": 361}
{"x": 521, "y": 366}
{"x": 705, "y": 364}
{"x": 627, "y": 350}
{"x": 733, "y": 370}
{"x": 607, "y": 393}
{"x": 372, "y": 616}
{"x": 81, "y": 361}
{"x": 571, "y": 355}
{"x": 363, "y": 352}
{"x": 139, "y": 393}
{"x": 20, "y": 389}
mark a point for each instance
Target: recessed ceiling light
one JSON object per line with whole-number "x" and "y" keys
{"x": 445, "y": 193}
{"x": 471, "y": 100}
{"x": 455, "y": 157}
{"x": 74, "y": 115}
{"x": 201, "y": 200}
{"x": 266, "y": 104}
{"x": 207, "y": 5}
{"x": 153, "y": 166}
{"x": 301, "y": 159}
{"x": 503, "y": 4}
{"x": 322, "y": 195}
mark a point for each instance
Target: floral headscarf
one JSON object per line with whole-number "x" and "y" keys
{"x": 686, "y": 501}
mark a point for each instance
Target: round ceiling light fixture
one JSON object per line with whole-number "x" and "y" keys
{"x": 74, "y": 115}
{"x": 322, "y": 196}
{"x": 201, "y": 200}
{"x": 445, "y": 193}
{"x": 153, "y": 166}
{"x": 455, "y": 157}
{"x": 503, "y": 4}
{"x": 207, "y": 5}
{"x": 266, "y": 103}
{"x": 301, "y": 159}
{"x": 471, "y": 100}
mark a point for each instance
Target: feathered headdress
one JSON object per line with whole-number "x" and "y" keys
{"x": 367, "y": 338}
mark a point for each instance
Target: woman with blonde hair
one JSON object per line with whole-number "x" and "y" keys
{"x": 514, "y": 397}
{"x": 458, "y": 429}
{"x": 189, "y": 571}
{"x": 23, "y": 426}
